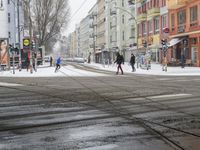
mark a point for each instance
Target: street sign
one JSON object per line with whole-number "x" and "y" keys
{"x": 26, "y": 43}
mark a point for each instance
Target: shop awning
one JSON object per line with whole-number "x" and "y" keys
{"x": 174, "y": 41}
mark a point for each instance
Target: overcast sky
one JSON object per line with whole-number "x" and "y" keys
{"x": 76, "y": 14}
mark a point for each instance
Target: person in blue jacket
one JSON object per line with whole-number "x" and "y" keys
{"x": 58, "y": 62}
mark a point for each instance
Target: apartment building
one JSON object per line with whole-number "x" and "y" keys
{"x": 184, "y": 18}
{"x": 72, "y": 44}
{"x": 12, "y": 23}
{"x": 78, "y": 48}
{"x": 101, "y": 31}
{"x": 150, "y": 23}
{"x": 120, "y": 28}
{"x": 93, "y": 32}
{"x": 84, "y": 37}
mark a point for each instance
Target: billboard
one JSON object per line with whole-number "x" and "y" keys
{"x": 4, "y": 57}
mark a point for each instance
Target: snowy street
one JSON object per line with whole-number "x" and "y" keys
{"x": 70, "y": 70}
{"x": 81, "y": 107}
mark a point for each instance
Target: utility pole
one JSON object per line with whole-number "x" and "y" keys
{"x": 19, "y": 35}
{"x": 30, "y": 35}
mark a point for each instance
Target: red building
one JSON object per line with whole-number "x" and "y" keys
{"x": 184, "y": 21}
{"x": 152, "y": 18}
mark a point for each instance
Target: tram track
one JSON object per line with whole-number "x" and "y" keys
{"x": 121, "y": 112}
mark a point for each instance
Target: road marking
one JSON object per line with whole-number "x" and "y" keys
{"x": 171, "y": 95}
{"x": 9, "y": 84}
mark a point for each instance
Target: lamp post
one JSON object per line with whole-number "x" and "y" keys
{"x": 19, "y": 35}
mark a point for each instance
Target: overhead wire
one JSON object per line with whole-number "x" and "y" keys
{"x": 82, "y": 4}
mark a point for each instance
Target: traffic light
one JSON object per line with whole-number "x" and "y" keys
{"x": 145, "y": 44}
{"x": 163, "y": 42}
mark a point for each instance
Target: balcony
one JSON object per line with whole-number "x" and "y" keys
{"x": 92, "y": 25}
{"x": 141, "y": 17}
{"x": 131, "y": 2}
{"x": 153, "y": 12}
{"x": 175, "y": 4}
{"x": 92, "y": 46}
{"x": 92, "y": 35}
{"x": 181, "y": 28}
{"x": 138, "y": 1}
{"x": 113, "y": 12}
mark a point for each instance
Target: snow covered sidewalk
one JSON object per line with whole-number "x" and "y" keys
{"x": 44, "y": 71}
{"x": 156, "y": 69}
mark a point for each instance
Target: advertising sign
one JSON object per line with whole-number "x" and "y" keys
{"x": 4, "y": 52}
{"x": 26, "y": 44}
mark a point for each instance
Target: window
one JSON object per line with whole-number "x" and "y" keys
{"x": 139, "y": 30}
{"x": 181, "y": 17}
{"x": 150, "y": 26}
{"x": 156, "y": 25}
{"x": 163, "y": 3}
{"x": 132, "y": 31}
{"x": 193, "y": 13}
{"x": 123, "y": 19}
{"x": 144, "y": 29}
{"x": 172, "y": 20}
{"x": 122, "y": 3}
{"x": 123, "y": 36}
{"x": 164, "y": 21}
{"x": 8, "y": 17}
{"x": 9, "y": 35}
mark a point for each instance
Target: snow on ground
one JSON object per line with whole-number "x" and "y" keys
{"x": 45, "y": 71}
{"x": 156, "y": 69}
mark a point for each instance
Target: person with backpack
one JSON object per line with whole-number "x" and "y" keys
{"x": 132, "y": 62}
{"x": 119, "y": 60}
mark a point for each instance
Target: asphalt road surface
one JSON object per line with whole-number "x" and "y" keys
{"x": 120, "y": 112}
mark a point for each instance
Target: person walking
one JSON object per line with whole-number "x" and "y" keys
{"x": 27, "y": 63}
{"x": 119, "y": 60}
{"x": 51, "y": 61}
{"x": 182, "y": 60}
{"x": 58, "y": 62}
{"x": 132, "y": 62}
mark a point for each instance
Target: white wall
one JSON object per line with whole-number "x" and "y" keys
{"x": 4, "y": 20}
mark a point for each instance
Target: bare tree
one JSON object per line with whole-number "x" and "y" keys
{"x": 50, "y": 18}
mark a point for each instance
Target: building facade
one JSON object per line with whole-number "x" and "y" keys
{"x": 184, "y": 18}
{"x": 120, "y": 28}
{"x": 12, "y": 23}
{"x": 84, "y": 37}
{"x": 101, "y": 31}
{"x": 93, "y": 32}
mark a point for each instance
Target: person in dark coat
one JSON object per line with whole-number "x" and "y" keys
{"x": 51, "y": 61}
{"x": 132, "y": 62}
{"x": 27, "y": 63}
{"x": 119, "y": 60}
{"x": 182, "y": 60}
